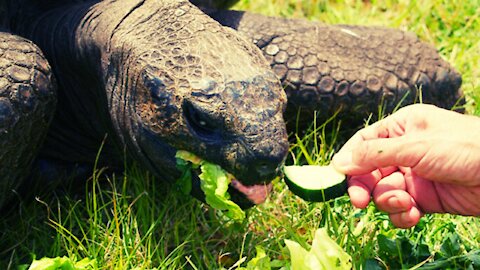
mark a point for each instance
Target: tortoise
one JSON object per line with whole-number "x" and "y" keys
{"x": 142, "y": 79}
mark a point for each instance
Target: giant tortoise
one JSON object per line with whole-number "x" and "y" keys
{"x": 145, "y": 78}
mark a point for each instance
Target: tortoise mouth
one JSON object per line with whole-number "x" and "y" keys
{"x": 256, "y": 194}
{"x": 246, "y": 196}
{"x": 216, "y": 179}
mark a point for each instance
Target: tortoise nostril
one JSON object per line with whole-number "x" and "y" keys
{"x": 205, "y": 88}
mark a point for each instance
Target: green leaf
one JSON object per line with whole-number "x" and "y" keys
{"x": 422, "y": 251}
{"x": 260, "y": 262}
{"x": 184, "y": 183}
{"x": 324, "y": 254}
{"x": 329, "y": 252}
{"x": 215, "y": 185}
{"x": 85, "y": 264}
{"x": 451, "y": 245}
{"x": 372, "y": 264}
{"x": 406, "y": 246}
{"x": 187, "y": 156}
{"x": 297, "y": 255}
{"x": 23, "y": 267}
{"x": 474, "y": 257}
{"x": 387, "y": 245}
{"x": 62, "y": 263}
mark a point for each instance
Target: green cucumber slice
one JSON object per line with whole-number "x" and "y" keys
{"x": 315, "y": 183}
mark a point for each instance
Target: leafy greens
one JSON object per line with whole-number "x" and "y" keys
{"x": 214, "y": 183}
{"x": 324, "y": 254}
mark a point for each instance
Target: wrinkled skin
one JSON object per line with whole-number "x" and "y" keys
{"x": 157, "y": 76}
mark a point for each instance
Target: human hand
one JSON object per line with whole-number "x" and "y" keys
{"x": 421, "y": 159}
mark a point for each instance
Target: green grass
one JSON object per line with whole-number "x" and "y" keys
{"x": 136, "y": 221}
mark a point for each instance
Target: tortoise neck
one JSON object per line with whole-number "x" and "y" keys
{"x": 82, "y": 113}
{"x": 20, "y": 13}
{"x": 92, "y": 103}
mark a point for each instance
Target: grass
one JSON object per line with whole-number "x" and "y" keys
{"x": 135, "y": 221}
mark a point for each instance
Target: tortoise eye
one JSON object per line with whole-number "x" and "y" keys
{"x": 201, "y": 123}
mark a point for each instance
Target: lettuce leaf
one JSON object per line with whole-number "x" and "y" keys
{"x": 63, "y": 263}
{"x": 189, "y": 157}
{"x": 214, "y": 183}
{"x": 324, "y": 254}
{"x": 184, "y": 183}
{"x": 260, "y": 262}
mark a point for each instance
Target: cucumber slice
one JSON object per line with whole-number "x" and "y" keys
{"x": 315, "y": 183}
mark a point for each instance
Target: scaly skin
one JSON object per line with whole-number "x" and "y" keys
{"x": 326, "y": 68}
{"x": 27, "y": 103}
{"x": 157, "y": 77}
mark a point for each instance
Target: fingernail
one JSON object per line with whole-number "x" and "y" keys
{"x": 343, "y": 160}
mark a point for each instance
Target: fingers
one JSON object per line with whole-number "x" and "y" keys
{"x": 378, "y": 145}
{"x": 377, "y": 130}
{"x": 406, "y": 219}
{"x": 360, "y": 187}
{"x": 390, "y": 196}
{"x": 344, "y": 159}
{"x": 359, "y": 194}
{"x": 423, "y": 192}
{"x": 388, "y": 189}
{"x": 369, "y": 155}
{"x": 389, "y": 127}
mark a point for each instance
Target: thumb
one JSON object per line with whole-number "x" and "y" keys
{"x": 373, "y": 154}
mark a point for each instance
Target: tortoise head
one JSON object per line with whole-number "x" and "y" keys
{"x": 236, "y": 123}
{"x": 182, "y": 82}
